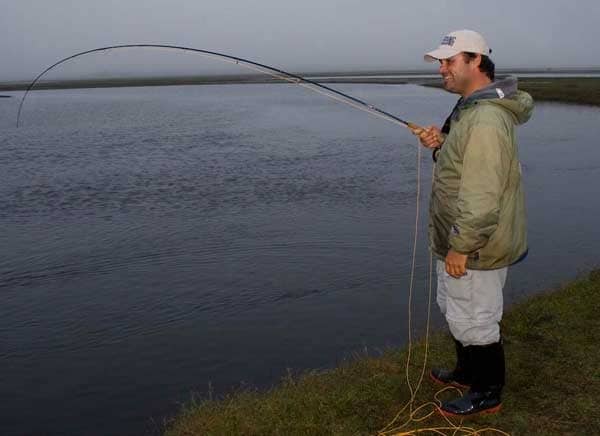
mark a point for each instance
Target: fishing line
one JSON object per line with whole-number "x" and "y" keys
{"x": 255, "y": 66}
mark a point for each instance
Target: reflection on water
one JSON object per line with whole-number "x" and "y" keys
{"x": 158, "y": 239}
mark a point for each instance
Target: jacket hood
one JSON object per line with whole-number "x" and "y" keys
{"x": 504, "y": 93}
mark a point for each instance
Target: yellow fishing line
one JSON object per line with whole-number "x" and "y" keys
{"x": 426, "y": 410}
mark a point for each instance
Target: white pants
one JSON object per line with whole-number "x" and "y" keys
{"x": 472, "y": 304}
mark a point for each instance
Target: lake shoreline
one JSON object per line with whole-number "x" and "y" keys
{"x": 363, "y": 395}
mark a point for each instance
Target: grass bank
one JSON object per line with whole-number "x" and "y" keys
{"x": 553, "y": 383}
{"x": 585, "y": 90}
{"x": 576, "y": 90}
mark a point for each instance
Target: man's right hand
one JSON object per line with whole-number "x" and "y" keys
{"x": 430, "y": 137}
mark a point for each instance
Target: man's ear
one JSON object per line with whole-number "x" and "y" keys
{"x": 475, "y": 62}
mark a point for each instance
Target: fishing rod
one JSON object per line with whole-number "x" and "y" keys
{"x": 275, "y": 72}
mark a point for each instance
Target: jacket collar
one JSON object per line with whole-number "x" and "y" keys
{"x": 503, "y": 88}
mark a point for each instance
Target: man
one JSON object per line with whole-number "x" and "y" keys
{"x": 477, "y": 214}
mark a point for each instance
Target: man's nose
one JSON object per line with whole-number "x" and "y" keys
{"x": 442, "y": 69}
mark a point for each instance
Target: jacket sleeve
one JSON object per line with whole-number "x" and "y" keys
{"x": 486, "y": 165}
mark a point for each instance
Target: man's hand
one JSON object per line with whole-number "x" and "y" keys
{"x": 456, "y": 264}
{"x": 430, "y": 137}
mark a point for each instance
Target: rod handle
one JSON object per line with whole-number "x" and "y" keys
{"x": 414, "y": 128}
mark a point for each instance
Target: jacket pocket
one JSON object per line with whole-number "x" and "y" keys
{"x": 459, "y": 305}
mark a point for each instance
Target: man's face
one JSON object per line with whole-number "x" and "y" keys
{"x": 457, "y": 73}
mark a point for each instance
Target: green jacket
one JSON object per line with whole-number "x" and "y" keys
{"x": 477, "y": 205}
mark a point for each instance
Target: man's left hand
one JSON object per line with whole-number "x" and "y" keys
{"x": 456, "y": 264}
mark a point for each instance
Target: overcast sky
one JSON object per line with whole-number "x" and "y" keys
{"x": 307, "y": 35}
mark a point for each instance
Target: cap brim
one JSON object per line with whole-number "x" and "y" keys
{"x": 443, "y": 52}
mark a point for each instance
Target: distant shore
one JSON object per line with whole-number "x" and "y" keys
{"x": 371, "y": 77}
{"x": 380, "y": 77}
{"x": 574, "y": 86}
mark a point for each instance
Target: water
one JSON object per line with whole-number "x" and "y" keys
{"x": 160, "y": 240}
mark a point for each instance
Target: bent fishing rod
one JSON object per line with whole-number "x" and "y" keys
{"x": 271, "y": 71}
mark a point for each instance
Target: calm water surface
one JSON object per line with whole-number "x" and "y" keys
{"x": 156, "y": 241}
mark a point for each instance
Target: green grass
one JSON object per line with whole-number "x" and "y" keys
{"x": 553, "y": 362}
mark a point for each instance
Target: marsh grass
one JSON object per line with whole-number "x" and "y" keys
{"x": 573, "y": 90}
{"x": 581, "y": 90}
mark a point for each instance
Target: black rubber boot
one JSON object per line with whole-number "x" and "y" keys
{"x": 487, "y": 383}
{"x": 461, "y": 375}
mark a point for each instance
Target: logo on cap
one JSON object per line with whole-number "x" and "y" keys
{"x": 448, "y": 40}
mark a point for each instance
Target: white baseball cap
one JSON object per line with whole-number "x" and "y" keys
{"x": 456, "y": 42}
